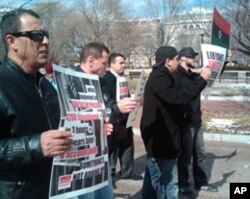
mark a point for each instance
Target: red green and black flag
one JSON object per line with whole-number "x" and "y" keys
{"x": 221, "y": 30}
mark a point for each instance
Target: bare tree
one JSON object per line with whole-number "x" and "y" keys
{"x": 159, "y": 25}
{"x": 51, "y": 14}
{"x": 107, "y": 22}
{"x": 238, "y": 13}
{"x": 163, "y": 13}
{"x": 72, "y": 24}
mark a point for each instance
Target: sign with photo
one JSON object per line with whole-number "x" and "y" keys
{"x": 84, "y": 168}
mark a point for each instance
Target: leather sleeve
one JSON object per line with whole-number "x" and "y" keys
{"x": 20, "y": 151}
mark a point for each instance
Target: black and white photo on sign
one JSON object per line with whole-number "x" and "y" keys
{"x": 84, "y": 168}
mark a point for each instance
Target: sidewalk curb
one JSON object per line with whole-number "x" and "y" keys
{"x": 243, "y": 139}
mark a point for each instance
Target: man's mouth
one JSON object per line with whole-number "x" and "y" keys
{"x": 44, "y": 52}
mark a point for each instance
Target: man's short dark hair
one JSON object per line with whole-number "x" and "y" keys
{"x": 11, "y": 22}
{"x": 94, "y": 49}
{"x": 113, "y": 56}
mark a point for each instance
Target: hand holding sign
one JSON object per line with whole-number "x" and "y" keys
{"x": 55, "y": 142}
{"x": 127, "y": 105}
{"x": 205, "y": 72}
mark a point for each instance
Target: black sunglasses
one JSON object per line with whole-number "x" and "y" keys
{"x": 36, "y": 35}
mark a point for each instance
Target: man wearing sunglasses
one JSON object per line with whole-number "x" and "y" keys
{"x": 26, "y": 142}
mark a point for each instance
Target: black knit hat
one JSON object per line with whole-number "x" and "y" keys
{"x": 163, "y": 53}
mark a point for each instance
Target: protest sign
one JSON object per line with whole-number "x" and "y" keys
{"x": 214, "y": 57}
{"x": 139, "y": 97}
{"x": 84, "y": 168}
{"x": 121, "y": 88}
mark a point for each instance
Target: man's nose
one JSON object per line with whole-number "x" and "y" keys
{"x": 45, "y": 40}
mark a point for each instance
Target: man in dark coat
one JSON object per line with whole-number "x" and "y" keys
{"x": 159, "y": 124}
{"x": 94, "y": 60}
{"x": 192, "y": 132}
{"x": 122, "y": 143}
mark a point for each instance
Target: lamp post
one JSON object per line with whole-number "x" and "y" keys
{"x": 202, "y": 35}
{"x": 201, "y": 58}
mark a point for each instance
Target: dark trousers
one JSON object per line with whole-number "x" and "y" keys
{"x": 123, "y": 149}
{"x": 192, "y": 147}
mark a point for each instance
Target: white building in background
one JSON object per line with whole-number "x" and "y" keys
{"x": 193, "y": 29}
{"x": 189, "y": 29}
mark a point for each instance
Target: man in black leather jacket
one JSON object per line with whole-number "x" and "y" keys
{"x": 26, "y": 143}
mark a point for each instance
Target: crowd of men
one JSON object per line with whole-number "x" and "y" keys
{"x": 29, "y": 139}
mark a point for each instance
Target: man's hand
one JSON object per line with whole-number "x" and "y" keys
{"x": 55, "y": 142}
{"x": 205, "y": 72}
{"x": 127, "y": 105}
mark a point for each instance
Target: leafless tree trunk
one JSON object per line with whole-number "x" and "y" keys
{"x": 163, "y": 13}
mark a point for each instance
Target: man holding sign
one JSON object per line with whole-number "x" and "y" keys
{"x": 27, "y": 144}
{"x": 192, "y": 132}
{"x": 122, "y": 137}
{"x": 163, "y": 100}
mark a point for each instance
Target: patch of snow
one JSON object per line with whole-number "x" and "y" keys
{"x": 222, "y": 123}
{"x": 227, "y": 98}
{"x": 226, "y": 125}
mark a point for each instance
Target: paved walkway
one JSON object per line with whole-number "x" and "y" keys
{"x": 226, "y": 162}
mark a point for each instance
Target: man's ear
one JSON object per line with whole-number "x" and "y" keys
{"x": 167, "y": 61}
{"x": 91, "y": 60}
{"x": 168, "y": 64}
{"x": 11, "y": 42}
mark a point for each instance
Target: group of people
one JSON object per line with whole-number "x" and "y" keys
{"x": 30, "y": 113}
{"x": 171, "y": 126}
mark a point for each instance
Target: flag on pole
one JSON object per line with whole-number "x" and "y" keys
{"x": 221, "y": 30}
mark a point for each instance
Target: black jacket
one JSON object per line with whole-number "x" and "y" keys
{"x": 193, "y": 109}
{"x": 24, "y": 171}
{"x": 161, "y": 112}
{"x": 120, "y": 130}
{"x": 51, "y": 101}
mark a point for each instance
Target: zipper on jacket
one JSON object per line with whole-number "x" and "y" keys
{"x": 38, "y": 88}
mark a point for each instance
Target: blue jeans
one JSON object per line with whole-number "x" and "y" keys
{"x": 103, "y": 193}
{"x": 160, "y": 175}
